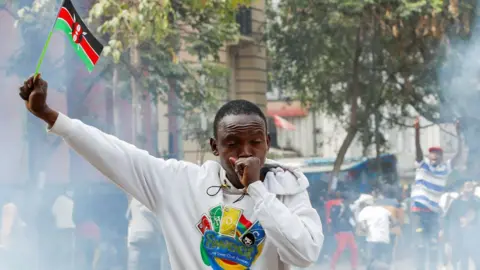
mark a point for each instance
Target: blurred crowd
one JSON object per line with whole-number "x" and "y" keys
{"x": 374, "y": 229}
{"x": 81, "y": 230}
{"x": 382, "y": 227}
{"x": 431, "y": 223}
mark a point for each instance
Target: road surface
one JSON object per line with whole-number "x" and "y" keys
{"x": 345, "y": 265}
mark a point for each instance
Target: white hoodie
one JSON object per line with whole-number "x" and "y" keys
{"x": 272, "y": 227}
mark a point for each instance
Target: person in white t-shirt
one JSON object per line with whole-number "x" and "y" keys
{"x": 446, "y": 201}
{"x": 376, "y": 222}
{"x": 16, "y": 253}
{"x": 146, "y": 247}
{"x": 62, "y": 212}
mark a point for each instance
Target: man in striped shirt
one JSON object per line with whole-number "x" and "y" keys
{"x": 430, "y": 181}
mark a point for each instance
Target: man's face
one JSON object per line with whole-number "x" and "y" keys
{"x": 240, "y": 136}
{"x": 435, "y": 157}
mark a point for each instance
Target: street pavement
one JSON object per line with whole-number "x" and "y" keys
{"x": 345, "y": 265}
{"x": 405, "y": 264}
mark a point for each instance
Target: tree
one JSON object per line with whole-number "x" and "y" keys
{"x": 154, "y": 31}
{"x": 370, "y": 64}
{"x": 142, "y": 39}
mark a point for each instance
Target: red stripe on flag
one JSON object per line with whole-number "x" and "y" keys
{"x": 245, "y": 222}
{"x": 89, "y": 51}
{"x": 64, "y": 14}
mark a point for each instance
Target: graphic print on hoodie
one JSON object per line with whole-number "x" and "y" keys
{"x": 229, "y": 239}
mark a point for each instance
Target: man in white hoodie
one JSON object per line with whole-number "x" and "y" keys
{"x": 227, "y": 215}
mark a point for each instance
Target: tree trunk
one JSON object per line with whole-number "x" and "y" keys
{"x": 378, "y": 164}
{"x": 352, "y": 128}
{"x": 315, "y": 134}
{"x": 136, "y": 97}
{"x": 351, "y": 133}
{"x": 116, "y": 110}
{"x": 173, "y": 136}
{"x": 109, "y": 105}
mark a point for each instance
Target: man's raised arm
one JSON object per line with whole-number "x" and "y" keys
{"x": 458, "y": 154}
{"x": 418, "y": 147}
{"x": 135, "y": 171}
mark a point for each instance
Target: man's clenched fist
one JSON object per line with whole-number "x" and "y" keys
{"x": 34, "y": 92}
{"x": 247, "y": 169}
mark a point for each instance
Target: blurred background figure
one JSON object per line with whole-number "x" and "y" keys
{"x": 430, "y": 182}
{"x": 357, "y": 206}
{"x": 333, "y": 198}
{"x": 390, "y": 201}
{"x": 14, "y": 236}
{"x": 146, "y": 246}
{"x": 461, "y": 224}
{"x": 62, "y": 212}
{"x": 376, "y": 221}
{"x": 446, "y": 201}
{"x": 87, "y": 231}
{"x": 343, "y": 227}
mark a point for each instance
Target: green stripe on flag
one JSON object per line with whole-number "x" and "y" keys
{"x": 63, "y": 26}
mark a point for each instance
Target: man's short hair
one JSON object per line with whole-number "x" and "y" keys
{"x": 237, "y": 107}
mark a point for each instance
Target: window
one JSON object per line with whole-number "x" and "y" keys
{"x": 244, "y": 19}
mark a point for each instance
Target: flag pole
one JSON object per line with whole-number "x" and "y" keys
{"x": 44, "y": 50}
{"x": 40, "y": 60}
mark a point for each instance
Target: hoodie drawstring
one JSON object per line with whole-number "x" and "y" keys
{"x": 241, "y": 197}
{"x": 220, "y": 187}
{"x": 224, "y": 186}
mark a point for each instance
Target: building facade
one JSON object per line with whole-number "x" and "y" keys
{"x": 318, "y": 135}
{"x": 247, "y": 64}
{"x": 28, "y": 153}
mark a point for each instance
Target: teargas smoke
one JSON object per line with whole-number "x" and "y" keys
{"x": 48, "y": 206}
{"x": 459, "y": 78}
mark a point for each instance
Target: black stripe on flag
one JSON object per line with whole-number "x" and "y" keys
{"x": 94, "y": 43}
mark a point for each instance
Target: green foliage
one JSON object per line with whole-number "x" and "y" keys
{"x": 34, "y": 22}
{"x": 158, "y": 30}
{"x": 210, "y": 91}
{"x": 313, "y": 48}
{"x": 204, "y": 26}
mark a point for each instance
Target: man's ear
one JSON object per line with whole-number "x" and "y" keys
{"x": 213, "y": 146}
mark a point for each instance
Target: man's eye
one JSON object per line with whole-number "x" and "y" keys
{"x": 231, "y": 144}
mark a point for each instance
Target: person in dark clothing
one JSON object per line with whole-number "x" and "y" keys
{"x": 343, "y": 225}
{"x": 320, "y": 207}
{"x": 329, "y": 243}
{"x": 460, "y": 227}
{"x": 87, "y": 230}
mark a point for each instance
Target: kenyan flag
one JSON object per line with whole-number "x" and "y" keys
{"x": 87, "y": 47}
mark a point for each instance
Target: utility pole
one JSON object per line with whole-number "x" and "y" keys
{"x": 174, "y": 135}
{"x": 136, "y": 96}
{"x": 315, "y": 133}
